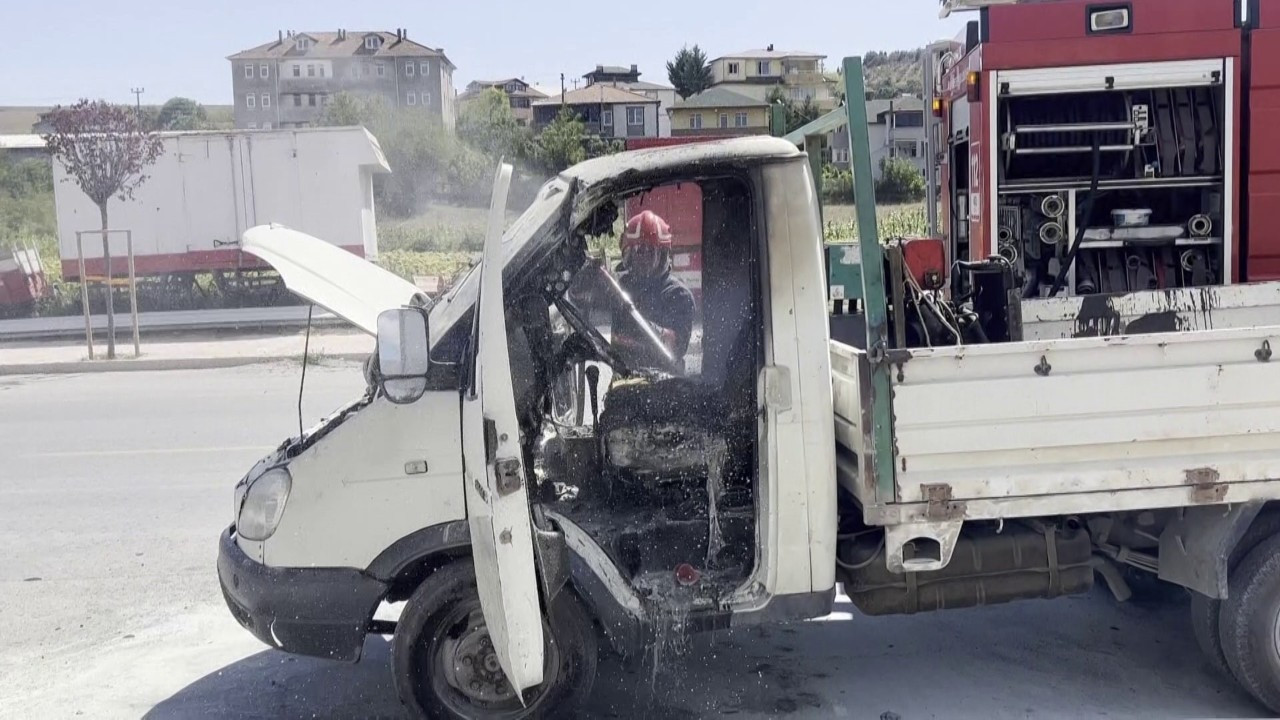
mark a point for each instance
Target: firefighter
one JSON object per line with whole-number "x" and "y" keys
{"x": 662, "y": 300}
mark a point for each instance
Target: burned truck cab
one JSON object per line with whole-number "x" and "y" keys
{"x": 519, "y": 462}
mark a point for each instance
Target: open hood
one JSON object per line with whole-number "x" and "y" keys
{"x": 347, "y": 286}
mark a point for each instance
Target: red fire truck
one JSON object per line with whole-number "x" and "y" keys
{"x": 1112, "y": 146}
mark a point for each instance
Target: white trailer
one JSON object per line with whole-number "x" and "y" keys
{"x": 207, "y": 188}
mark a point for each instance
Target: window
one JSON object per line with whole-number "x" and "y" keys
{"x": 248, "y": 72}
{"x": 724, "y": 120}
{"x": 297, "y": 101}
{"x": 635, "y": 115}
{"x": 840, "y": 155}
{"x": 906, "y": 148}
{"x": 253, "y": 126}
{"x": 320, "y": 69}
{"x": 297, "y": 70}
{"x": 263, "y": 72}
{"x": 266, "y": 126}
{"x": 424, "y": 69}
{"x": 355, "y": 70}
{"x": 372, "y": 42}
{"x": 762, "y": 67}
{"x": 382, "y": 69}
{"x": 695, "y": 121}
{"x": 606, "y": 118}
{"x": 408, "y": 69}
{"x": 302, "y": 43}
{"x": 426, "y": 98}
{"x": 266, "y": 101}
{"x": 735, "y": 68}
{"x": 411, "y": 99}
{"x": 311, "y": 99}
{"x": 251, "y": 100}
{"x": 311, "y": 70}
{"x": 908, "y": 119}
{"x": 740, "y": 119}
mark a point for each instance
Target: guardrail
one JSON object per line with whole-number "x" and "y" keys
{"x": 247, "y": 319}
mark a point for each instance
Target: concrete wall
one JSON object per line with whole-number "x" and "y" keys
{"x": 757, "y": 121}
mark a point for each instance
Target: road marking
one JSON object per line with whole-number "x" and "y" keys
{"x": 149, "y": 451}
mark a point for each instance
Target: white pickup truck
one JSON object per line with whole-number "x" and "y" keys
{"x": 529, "y": 486}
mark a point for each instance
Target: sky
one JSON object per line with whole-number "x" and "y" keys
{"x": 97, "y": 49}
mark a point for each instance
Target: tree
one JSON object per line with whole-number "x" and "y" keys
{"x": 689, "y": 72}
{"x": 104, "y": 150}
{"x": 561, "y": 143}
{"x": 488, "y": 125}
{"x": 346, "y": 110}
{"x": 900, "y": 181}
{"x": 797, "y": 115}
{"x": 181, "y": 113}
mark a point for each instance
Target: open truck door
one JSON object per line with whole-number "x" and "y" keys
{"x": 497, "y": 493}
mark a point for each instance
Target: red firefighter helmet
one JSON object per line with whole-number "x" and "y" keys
{"x": 647, "y": 229}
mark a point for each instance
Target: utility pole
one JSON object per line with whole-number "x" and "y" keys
{"x": 561, "y": 90}
{"x": 137, "y": 98}
{"x": 575, "y": 83}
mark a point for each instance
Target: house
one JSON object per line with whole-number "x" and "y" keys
{"x": 607, "y": 111}
{"x": 629, "y": 79}
{"x": 896, "y": 129}
{"x": 288, "y": 82}
{"x": 717, "y": 111}
{"x": 20, "y": 120}
{"x": 520, "y": 93}
{"x": 755, "y": 73}
{"x": 613, "y": 74}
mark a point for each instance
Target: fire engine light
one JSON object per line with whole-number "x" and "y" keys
{"x": 1109, "y": 20}
{"x": 937, "y": 107}
{"x": 971, "y": 83}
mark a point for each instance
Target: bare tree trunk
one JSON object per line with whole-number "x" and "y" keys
{"x": 111, "y": 305}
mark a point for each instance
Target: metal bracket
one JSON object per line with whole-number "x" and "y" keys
{"x": 1044, "y": 368}
{"x": 1263, "y": 354}
{"x": 897, "y": 537}
{"x": 941, "y": 506}
{"x": 506, "y": 472}
{"x": 1195, "y": 547}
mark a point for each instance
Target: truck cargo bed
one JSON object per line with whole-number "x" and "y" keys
{"x": 1066, "y": 425}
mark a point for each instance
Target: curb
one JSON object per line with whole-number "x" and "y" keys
{"x": 157, "y": 364}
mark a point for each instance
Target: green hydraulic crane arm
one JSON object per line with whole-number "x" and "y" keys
{"x": 875, "y": 305}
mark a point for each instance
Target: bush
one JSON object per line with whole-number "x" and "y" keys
{"x": 900, "y": 182}
{"x": 837, "y": 185}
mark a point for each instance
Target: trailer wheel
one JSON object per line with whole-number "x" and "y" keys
{"x": 444, "y": 665}
{"x": 1249, "y": 623}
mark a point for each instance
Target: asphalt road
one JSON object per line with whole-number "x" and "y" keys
{"x": 113, "y": 488}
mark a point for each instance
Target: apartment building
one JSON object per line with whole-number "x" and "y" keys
{"x": 520, "y": 94}
{"x": 755, "y": 73}
{"x": 288, "y": 82}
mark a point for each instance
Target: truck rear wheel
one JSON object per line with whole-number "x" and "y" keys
{"x": 445, "y": 666}
{"x": 1249, "y": 623}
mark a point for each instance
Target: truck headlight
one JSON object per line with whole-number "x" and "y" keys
{"x": 263, "y": 504}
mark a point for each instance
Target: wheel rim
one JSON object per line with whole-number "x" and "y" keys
{"x": 465, "y": 671}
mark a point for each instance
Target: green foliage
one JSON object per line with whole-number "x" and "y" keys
{"x": 837, "y": 185}
{"x": 798, "y": 115}
{"x": 181, "y": 113}
{"x": 894, "y": 74}
{"x": 689, "y": 72}
{"x": 891, "y": 221}
{"x": 900, "y": 181}
{"x": 563, "y": 142}
{"x": 487, "y": 124}
{"x": 407, "y": 263}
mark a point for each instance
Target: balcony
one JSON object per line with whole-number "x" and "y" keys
{"x": 803, "y": 77}
{"x": 289, "y": 84}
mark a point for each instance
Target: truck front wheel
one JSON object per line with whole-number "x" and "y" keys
{"x": 1249, "y": 623}
{"x": 445, "y": 666}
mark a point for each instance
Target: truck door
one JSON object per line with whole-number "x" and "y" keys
{"x": 497, "y": 495}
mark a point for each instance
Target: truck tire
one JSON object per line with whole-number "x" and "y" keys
{"x": 1249, "y": 623}
{"x": 1206, "y": 611}
{"x": 1204, "y": 626}
{"x": 444, "y": 666}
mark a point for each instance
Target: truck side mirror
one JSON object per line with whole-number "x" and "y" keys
{"x": 403, "y": 353}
